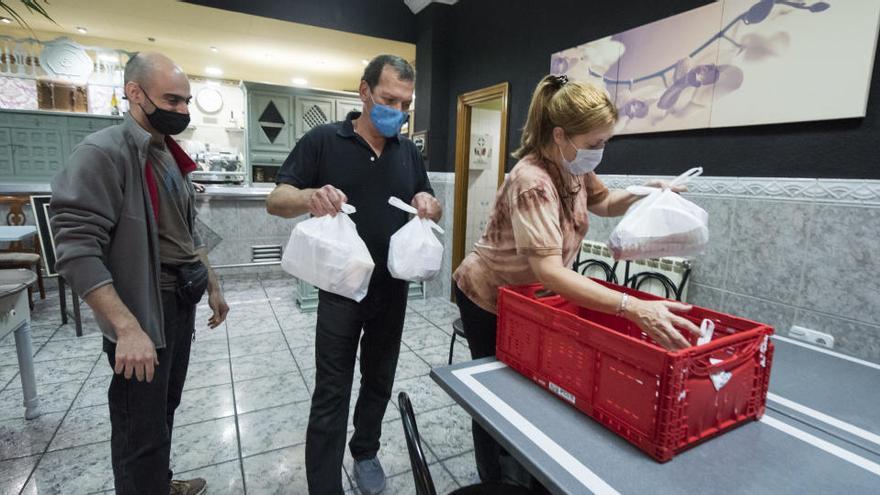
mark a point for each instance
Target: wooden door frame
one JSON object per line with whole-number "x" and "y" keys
{"x": 466, "y": 102}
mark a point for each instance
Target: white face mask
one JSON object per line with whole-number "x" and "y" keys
{"x": 585, "y": 161}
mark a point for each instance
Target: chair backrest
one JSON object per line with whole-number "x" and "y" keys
{"x": 15, "y": 215}
{"x": 40, "y": 207}
{"x": 421, "y": 474}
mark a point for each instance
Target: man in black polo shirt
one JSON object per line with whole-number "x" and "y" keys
{"x": 362, "y": 161}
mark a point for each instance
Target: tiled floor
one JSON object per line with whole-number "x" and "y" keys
{"x": 242, "y": 421}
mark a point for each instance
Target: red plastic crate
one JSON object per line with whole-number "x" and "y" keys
{"x": 661, "y": 401}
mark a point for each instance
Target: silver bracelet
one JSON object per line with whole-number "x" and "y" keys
{"x": 622, "y": 306}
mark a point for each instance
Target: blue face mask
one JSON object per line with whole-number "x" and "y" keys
{"x": 585, "y": 160}
{"x": 386, "y": 119}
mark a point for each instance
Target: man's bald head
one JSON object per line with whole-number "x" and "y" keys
{"x": 152, "y": 81}
{"x": 143, "y": 68}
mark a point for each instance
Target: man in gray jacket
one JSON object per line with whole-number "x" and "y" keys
{"x": 123, "y": 213}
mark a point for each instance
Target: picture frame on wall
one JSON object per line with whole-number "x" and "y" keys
{"x": 420, "y": 139}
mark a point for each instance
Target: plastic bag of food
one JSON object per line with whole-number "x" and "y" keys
{"x": 415, "y": 253}
{"x": 328, "y": 253}
{"x": 661, "y": 224}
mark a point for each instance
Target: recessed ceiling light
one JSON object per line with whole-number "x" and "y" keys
{"x": 213, "y": 71}
{"x": 81, "y": 30}
{"x": 214, "y": 49}
{"x": 298, "y": 81}
{"x": 5, "y": 20}
{"x": 365, "y": 61}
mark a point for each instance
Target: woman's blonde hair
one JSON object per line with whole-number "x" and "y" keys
{"x": 576, "y": 107}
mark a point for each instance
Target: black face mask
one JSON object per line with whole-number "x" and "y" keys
{"x": 166, "y": 121}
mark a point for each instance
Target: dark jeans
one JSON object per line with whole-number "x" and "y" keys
{"x": 142, "y": 414}
{"x": 340, "y": 321}
{"x": 494, "y": 464}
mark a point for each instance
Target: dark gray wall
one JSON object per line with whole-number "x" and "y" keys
{"x": 478, "y": 43}
{"x": 493, "y": 41}
{"x": 432, "y": 81}
{"x": 389, "y": 19}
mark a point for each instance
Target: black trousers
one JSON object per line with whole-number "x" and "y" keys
{"x": 340, "y": 321}
{"x": 494, "y": 464}
{"x": 142, "y": 414}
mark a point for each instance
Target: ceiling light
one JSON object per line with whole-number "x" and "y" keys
{"x": 81, "y": 30}
{"x": 213, "y": 71}
{"x": 214, "y": 49}
{"x": 5, "y": 20}
{"x": 365, "y": 61}
{"x": 298, "y": 81}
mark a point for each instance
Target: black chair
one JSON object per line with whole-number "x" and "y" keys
{"x": 421, "y": 473}
{"x": 457, "y": 330}
{"x": 671, "y": 290}
{"x": 40, "y": 206}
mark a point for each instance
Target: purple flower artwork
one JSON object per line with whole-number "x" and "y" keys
{"x": 733, "y": 62}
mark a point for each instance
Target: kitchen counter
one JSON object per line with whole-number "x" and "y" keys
{"x": 211, "y": 191}
{"x": 21, "y": 188}
{"x": 235, "y": 192}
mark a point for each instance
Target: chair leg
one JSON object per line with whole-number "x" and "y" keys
{"x": 62, "y": 292}
{"x": 31, "y": 298}
{"x": 451, "y": 347}
{"x": 39, "y": 270}
{"x": 76, "y": 317}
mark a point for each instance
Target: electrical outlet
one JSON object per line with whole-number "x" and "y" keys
{"x": 812, "y": 336}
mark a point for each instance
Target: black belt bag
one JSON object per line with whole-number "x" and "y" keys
{"x": 192, "y": 281}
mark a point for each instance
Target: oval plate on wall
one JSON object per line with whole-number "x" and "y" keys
{"x": 209, "y": 100}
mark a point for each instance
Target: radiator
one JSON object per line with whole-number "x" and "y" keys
{"x": 659, "y": 276}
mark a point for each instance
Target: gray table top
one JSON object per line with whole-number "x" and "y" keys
{"x": 12, "y": 233}
{"x": 15, "y": 280}
{"x": 830, "y": 391}
{"x": 571, "y": 453}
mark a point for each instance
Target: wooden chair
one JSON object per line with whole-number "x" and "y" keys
{"x": 18, "y": 255}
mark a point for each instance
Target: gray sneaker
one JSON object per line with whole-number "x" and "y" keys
{"x": 369, "y": 476}
{"x": 196, "y": 486}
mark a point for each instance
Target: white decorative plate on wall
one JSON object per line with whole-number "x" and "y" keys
{"x": 209, "y": 100}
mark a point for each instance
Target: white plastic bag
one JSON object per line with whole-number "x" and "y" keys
{"x": 414, "y": 253}
{"x": 328, "y": 253}
{"x": 661, "y": 224}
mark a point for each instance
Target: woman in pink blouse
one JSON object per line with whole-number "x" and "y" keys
{"x": 535, "y": 230}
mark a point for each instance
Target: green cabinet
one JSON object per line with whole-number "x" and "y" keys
{"x": 6, "y": 168}
{"x": 35, "y": 145}
{"x": 312, "y": 111}
{"x": 270, "y": 122}
{"x": 278, "y": 116}
{"x": 343, "y": 107}
{"x": 37, "y": 152}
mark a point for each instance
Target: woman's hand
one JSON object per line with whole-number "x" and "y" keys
{"x": 664, "y": 184}
{"x": 656, "y": 318}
